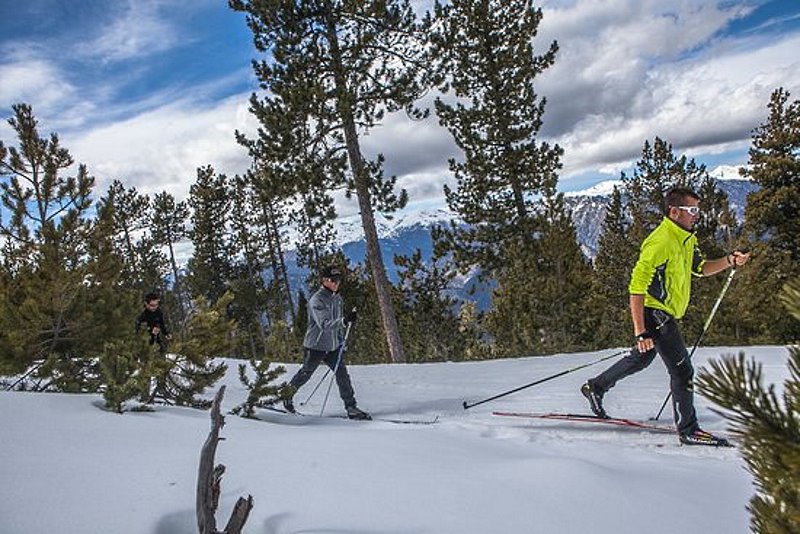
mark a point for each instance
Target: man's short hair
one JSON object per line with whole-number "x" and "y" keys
{"x": 677, "y": 197}
{"x": 150, "y": 297}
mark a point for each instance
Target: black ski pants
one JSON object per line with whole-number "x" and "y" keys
{"x": 669, "y": 344}
{"x": 312, "y": 359}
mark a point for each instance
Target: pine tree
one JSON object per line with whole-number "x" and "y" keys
{"x": 773, "y": 212}
{"x": 182, "y": 374}
{"x": 301, "y": 323}
{"x": 658, "y": 171}
{"x": 541, "y": 300}
{"x": 483, "y": 52}
{"x": 312, "y": 219}
{"x": 771, "y": 220}
{"x": 121, "y": 372}
{"x": 44, "y": 251}
{"x": 270, "y": 194}
{"x": 131, "y": 216}
{"x": 209, "y": 266}
{"x": 613, "y": 264}
{"x": 261, "y": 390}
{"x": 769, "y": 427}
{"x": 247, "y": 284}
{"x": 428, "y": 319}
{"x": 168, "y": 227}
{"x": 343, "y": 64}
{"x": 471, "y": 325}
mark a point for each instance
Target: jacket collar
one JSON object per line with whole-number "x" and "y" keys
{"x": 326, "y": 290}
{"x": 676, "y": 230}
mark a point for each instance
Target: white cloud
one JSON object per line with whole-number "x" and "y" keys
{"x": 628, "y": 71}
{"x": 139, "y": 31}
{"x": 161, "y": 149}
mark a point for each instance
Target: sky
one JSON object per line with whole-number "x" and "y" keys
{"x": 70, "y": 467}
{"x": 147, "y": 91}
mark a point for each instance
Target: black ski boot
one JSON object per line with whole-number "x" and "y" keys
{"x": 288, "y": 405}
{"x": 354, "y": 413}
{"x": 701, "y": 437}
{"x": 595, "y": 399}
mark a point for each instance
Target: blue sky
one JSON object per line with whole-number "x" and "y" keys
{"x": 145, "y": 91}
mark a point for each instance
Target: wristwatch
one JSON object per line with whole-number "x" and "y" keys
{"x": 644, "y": 335}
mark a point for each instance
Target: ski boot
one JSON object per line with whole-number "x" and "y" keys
{"x": 354, "y": 413}
{"x": 701, "y": 437}
{"x": 595, "y": 399}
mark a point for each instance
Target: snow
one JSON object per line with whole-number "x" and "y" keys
{"x": 602, "y": 189}
{"x": 70, "y": 467}
{"x": 349, "y": 229}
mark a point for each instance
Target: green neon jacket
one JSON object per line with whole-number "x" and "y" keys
{"x": 663, "y": 274}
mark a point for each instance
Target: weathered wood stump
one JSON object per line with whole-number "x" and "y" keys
{"x": 209, "y": 482}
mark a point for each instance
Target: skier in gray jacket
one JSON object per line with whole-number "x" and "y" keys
{"x": 323, "y": 341}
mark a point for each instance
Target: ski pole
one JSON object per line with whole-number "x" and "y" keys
{"x": 328, "y": 370}
{"x": 562, "y": 373}
{"x": 336, "y": 367}
{"x": 702, "y": 334}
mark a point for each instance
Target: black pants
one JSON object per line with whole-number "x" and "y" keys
{"x": 312, "y": 359}
{"x": 669, "y": 344}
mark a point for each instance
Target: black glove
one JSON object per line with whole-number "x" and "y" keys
{"x": 350, "y": 317}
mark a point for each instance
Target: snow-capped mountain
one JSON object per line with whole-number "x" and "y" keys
{"x": 410, "y": 229}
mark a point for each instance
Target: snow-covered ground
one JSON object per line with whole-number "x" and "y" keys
{"x": 69, "y": 467}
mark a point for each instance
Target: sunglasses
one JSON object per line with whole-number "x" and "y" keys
{"x": 691, "y": 210}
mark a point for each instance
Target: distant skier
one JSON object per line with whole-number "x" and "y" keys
{"x": 659, "y": 295}
{"x": 323, "y": 340}
{"x": 154, "y": 318}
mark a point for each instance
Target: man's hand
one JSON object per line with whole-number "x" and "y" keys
{"x": 350, "y": 317}
{"x": 738, "y": 258}
{"x": 644, "y": 342}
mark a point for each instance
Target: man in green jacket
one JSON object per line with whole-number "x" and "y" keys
{"x": 659, "y": 295}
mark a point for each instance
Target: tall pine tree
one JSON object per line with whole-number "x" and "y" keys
{"x": 44, "y": 249}
{"x": 168, "y": 228}
{"x": 771, "y": 220}
{"x": 209, "y": 267}
{"x": 131, "y": 217}
{"x": 344, "y": 63}
{"x": 615, "y": 258}
{"x": 484, "y": 55}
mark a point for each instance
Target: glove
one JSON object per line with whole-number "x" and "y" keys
{"x": 350, "y": 317}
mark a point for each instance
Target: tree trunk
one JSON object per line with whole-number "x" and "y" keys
{"x": 282, "y": 264}
{"x": 209, "y": 481}
{"x": 359, "y": 170}
{"x": 177, "y": 282}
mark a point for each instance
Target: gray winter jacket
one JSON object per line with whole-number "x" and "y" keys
{"x": 325, "y": 322}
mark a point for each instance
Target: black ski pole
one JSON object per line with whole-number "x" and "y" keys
{"x": 562, "y": 373}
{"x": 328, "y": 370}
{"x": 702, "y": 334}
{"x": 336, "y": 367}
